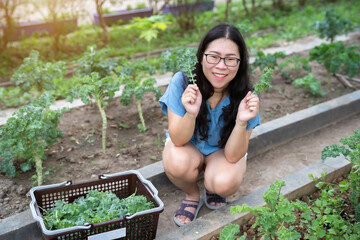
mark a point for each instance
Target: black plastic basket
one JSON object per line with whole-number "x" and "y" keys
{"x": 141, "y": 225}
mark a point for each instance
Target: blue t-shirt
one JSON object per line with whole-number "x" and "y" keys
{"x": 172, "y": 100}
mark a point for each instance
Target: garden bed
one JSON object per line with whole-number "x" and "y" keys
{"x": 78, "y": 155}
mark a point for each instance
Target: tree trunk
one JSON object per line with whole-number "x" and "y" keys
{"x": 99, "y": 5}
{"x": 245, "y": 8}
{"x": 228, "y": 7}
{"x": 301, "y": 3}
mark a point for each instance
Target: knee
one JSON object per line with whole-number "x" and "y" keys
{"x": 177, "y": 165}
{"x": 223, "y": 184}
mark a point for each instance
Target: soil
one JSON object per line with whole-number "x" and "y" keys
{"x": 78, "y": 156}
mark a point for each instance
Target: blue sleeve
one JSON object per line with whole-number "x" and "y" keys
{"x": 172, "y": 96}
{"x": 252, "y": 123}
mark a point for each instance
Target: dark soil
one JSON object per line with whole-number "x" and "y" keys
{"x": 78, "y": 156}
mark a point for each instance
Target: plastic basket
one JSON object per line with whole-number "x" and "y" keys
{"x": 141, "y": 225}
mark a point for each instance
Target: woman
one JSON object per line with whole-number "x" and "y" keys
{"x": 210, "y": 122}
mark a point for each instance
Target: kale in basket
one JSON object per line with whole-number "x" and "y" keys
{"x": 95, "y": 207}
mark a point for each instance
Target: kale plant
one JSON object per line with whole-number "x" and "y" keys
{"x": 264, "y": 81}
{"x": 332, "y": 25}
{"x": 181, "y": 59}
{"x": 25, "y": 136}
{"x": 336, "y": 56}
{"x": 96, "y": 61}
{"x": 267, "y": 61}
{"x": 135, "y": 77}
{"x": 294, "y": 63}
{"x": 274, "y": 218}
{"x": 37, "y": 75}
{"x": 95, "y": 207}
{"x": 310, "y": 84}
{"x": 98, "y": 89}
{"x": 350, "y": 149}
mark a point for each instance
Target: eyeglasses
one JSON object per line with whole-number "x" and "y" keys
{"x": 215, "y": 59}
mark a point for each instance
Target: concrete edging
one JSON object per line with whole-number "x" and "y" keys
{"x": 267, "y": 135}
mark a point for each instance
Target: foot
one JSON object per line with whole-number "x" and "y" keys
{"x": 214, "y": 201}
{"x": 187, "y": 211}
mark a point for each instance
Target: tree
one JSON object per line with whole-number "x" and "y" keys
{"x": 57, "y": 10}
{"x": 154, "y": 5}
{"x": 227, "y": 9}
{"x": 7, "y": 10}
{"x": 99, "y": 4}
{"x": 253, "y": 7}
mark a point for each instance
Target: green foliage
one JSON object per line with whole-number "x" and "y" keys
{"x": 272, "y": 217}
{"x": 332, "y": 25}
{"x": 181, "y": 59}
{"x": 135, "y": 77}
{"x": 95, "y": 207}
{"x": 267, "y": 61}
{"x": 229, "y": 232}
{"x": 264, "y": 81}
{"x": 294, "y": 63}
{"x": 98, "y": 89}
{"x": 150, "y": 27}
{"x": 350, "y": 149}
{"x": 13, "y": 97}
{"x": 325, "y": 218}
{"x": 310, "y": 84}
{"x": 26, "y": 136}
{"x": 96, "y": 61}
{"x": 35, "y": 74}
{"x": 336, "y": 56}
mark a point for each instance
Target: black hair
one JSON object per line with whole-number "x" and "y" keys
{"x": 237, "y": 88}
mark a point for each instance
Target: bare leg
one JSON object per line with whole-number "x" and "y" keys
{"x": 182, "y": 166}
{"x": 222, "y": 177}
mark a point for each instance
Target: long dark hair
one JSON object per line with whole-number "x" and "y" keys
{"x": 237, "y": 88}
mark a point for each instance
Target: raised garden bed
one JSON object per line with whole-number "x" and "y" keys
{"x": 41, "y": 27}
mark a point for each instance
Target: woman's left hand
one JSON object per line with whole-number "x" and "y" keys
{"x": 248, "y": 108}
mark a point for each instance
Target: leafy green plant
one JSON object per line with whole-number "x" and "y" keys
{"x": 269, "y": 60}
{"x": 135, "y": 77}
{"x": 181, "y": 59}
{"x": 272, "y": 218}
{"x": 94, "y": 60}
{"x": 264, "y": 81}
{"x": 336, "y": 56}
{"x": 14, "y": 97}
{"x": 310, "y": 84}
{"x": 98, "y": 89}
{"x": 229, "y": 232}
{"x": 351, "y": 150}
{"x": 95, "y": 207}
{"x": 150, "y": 28}
{"x": 35, "y": 74}
{"x": 294, "y": 63}
{"x": 332, "y": 25}
{"x": 26, "y": 136}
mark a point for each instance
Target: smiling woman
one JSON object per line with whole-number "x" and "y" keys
{"x": 210, "y": 122}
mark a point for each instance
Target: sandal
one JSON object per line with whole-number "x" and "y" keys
{"x": 214, "y": 198}
{"x": 182, "y": 212}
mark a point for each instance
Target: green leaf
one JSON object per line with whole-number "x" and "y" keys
{"x": 229, "y": 232}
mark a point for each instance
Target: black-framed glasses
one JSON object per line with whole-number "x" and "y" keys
{"x": 215, "y": 59}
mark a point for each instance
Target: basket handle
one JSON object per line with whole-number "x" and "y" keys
{"x": 147, "y": 183}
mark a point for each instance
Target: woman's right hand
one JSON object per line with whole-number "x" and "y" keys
{"x": 191, "y": 99}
